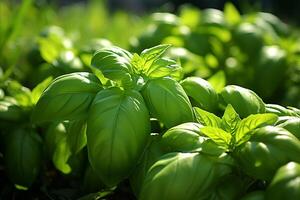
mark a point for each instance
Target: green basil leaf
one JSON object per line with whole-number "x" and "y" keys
{"x": 292, "y": 125}
{"x": 68, "y": 97}
{"x": 38, "y": 90}
{"x": 117, "y": 130}
{"x": 201, "y": 92}
{"x": 280, "y": 110}
{"x": 183, "y": 138}
{"x": 207, "y": 119}
{"x": 270, "y": 72}
{"x": 268, "y": 148}
{"x": 285, "y": 183}
{"x": 114, "y": 63}
{"x": 61, "y": 155}
{"x": 76, "y": 135}
{"x": 164, "y": 67}
{"x": 230, "y": 119}
{"x": 219, "y": 136}
{"x": 23, "y": 157}
{"x": 244, "y": 101}
{"x": 58, "y": 147}
{"x": 167, "y": 178}
{"x": 167, "y": 101}
{"x": 250, "y": 123}
{"x": 152, "y": 54}
{"x": 137, "y": 62}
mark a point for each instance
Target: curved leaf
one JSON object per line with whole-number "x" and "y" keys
{"x": 244, "y": 101}
{"x": 68, "y": 97}
{"x": 114, "y": 63}
{"x": 180, "y": 176}
{"x": 167, "y": 101}
{"x": 117, "y": 130}
{"x": 201, "y": 92}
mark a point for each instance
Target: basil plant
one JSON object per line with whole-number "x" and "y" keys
{"x": 117, "y": 101}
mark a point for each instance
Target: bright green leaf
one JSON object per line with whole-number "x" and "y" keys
{"x": 68, "y": 97}
{"x": 61, "y": 156}
{"x": 117, "y": 130}
{"x": 207, "y": 119}
{"x": 38, "y": 90}
{"x": 164, "y": 67}
{"x": 137, "y": 62}
{"x": 154, "y": 53}
{"x": 114, "y": 63}
{"x": 250, "y": 123}
{"x": 218, "y": 135}
{"x": 230, "y": 119}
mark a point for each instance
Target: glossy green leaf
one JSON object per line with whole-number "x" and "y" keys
{"x": 219, "y": 136}
{"x": 164, "y": 67}
{"x": 267, "y": 149}
{"x": 201, "y": 93}
{"x": 167, "y": 101}
{"x": 285, "y": 184}
{"x": 244, "y": 101}
{"x": 292, "y": 125}
{"x": 250, "y": 123}
{"x": 207, "y": 119}
{"x": 230, "y": 119}
{"x": 38, "y": 90}
{"x": 149, "y": 56}
{"x": 168, "y": 177}
{"x": 183, "y": 138}
{"x": 114, "y": 63}
{"x": 270, "y": 71}
{"x": 68, "y": 97}
{"x": 280, "y": 110}
{"x": 117, "y": 130}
